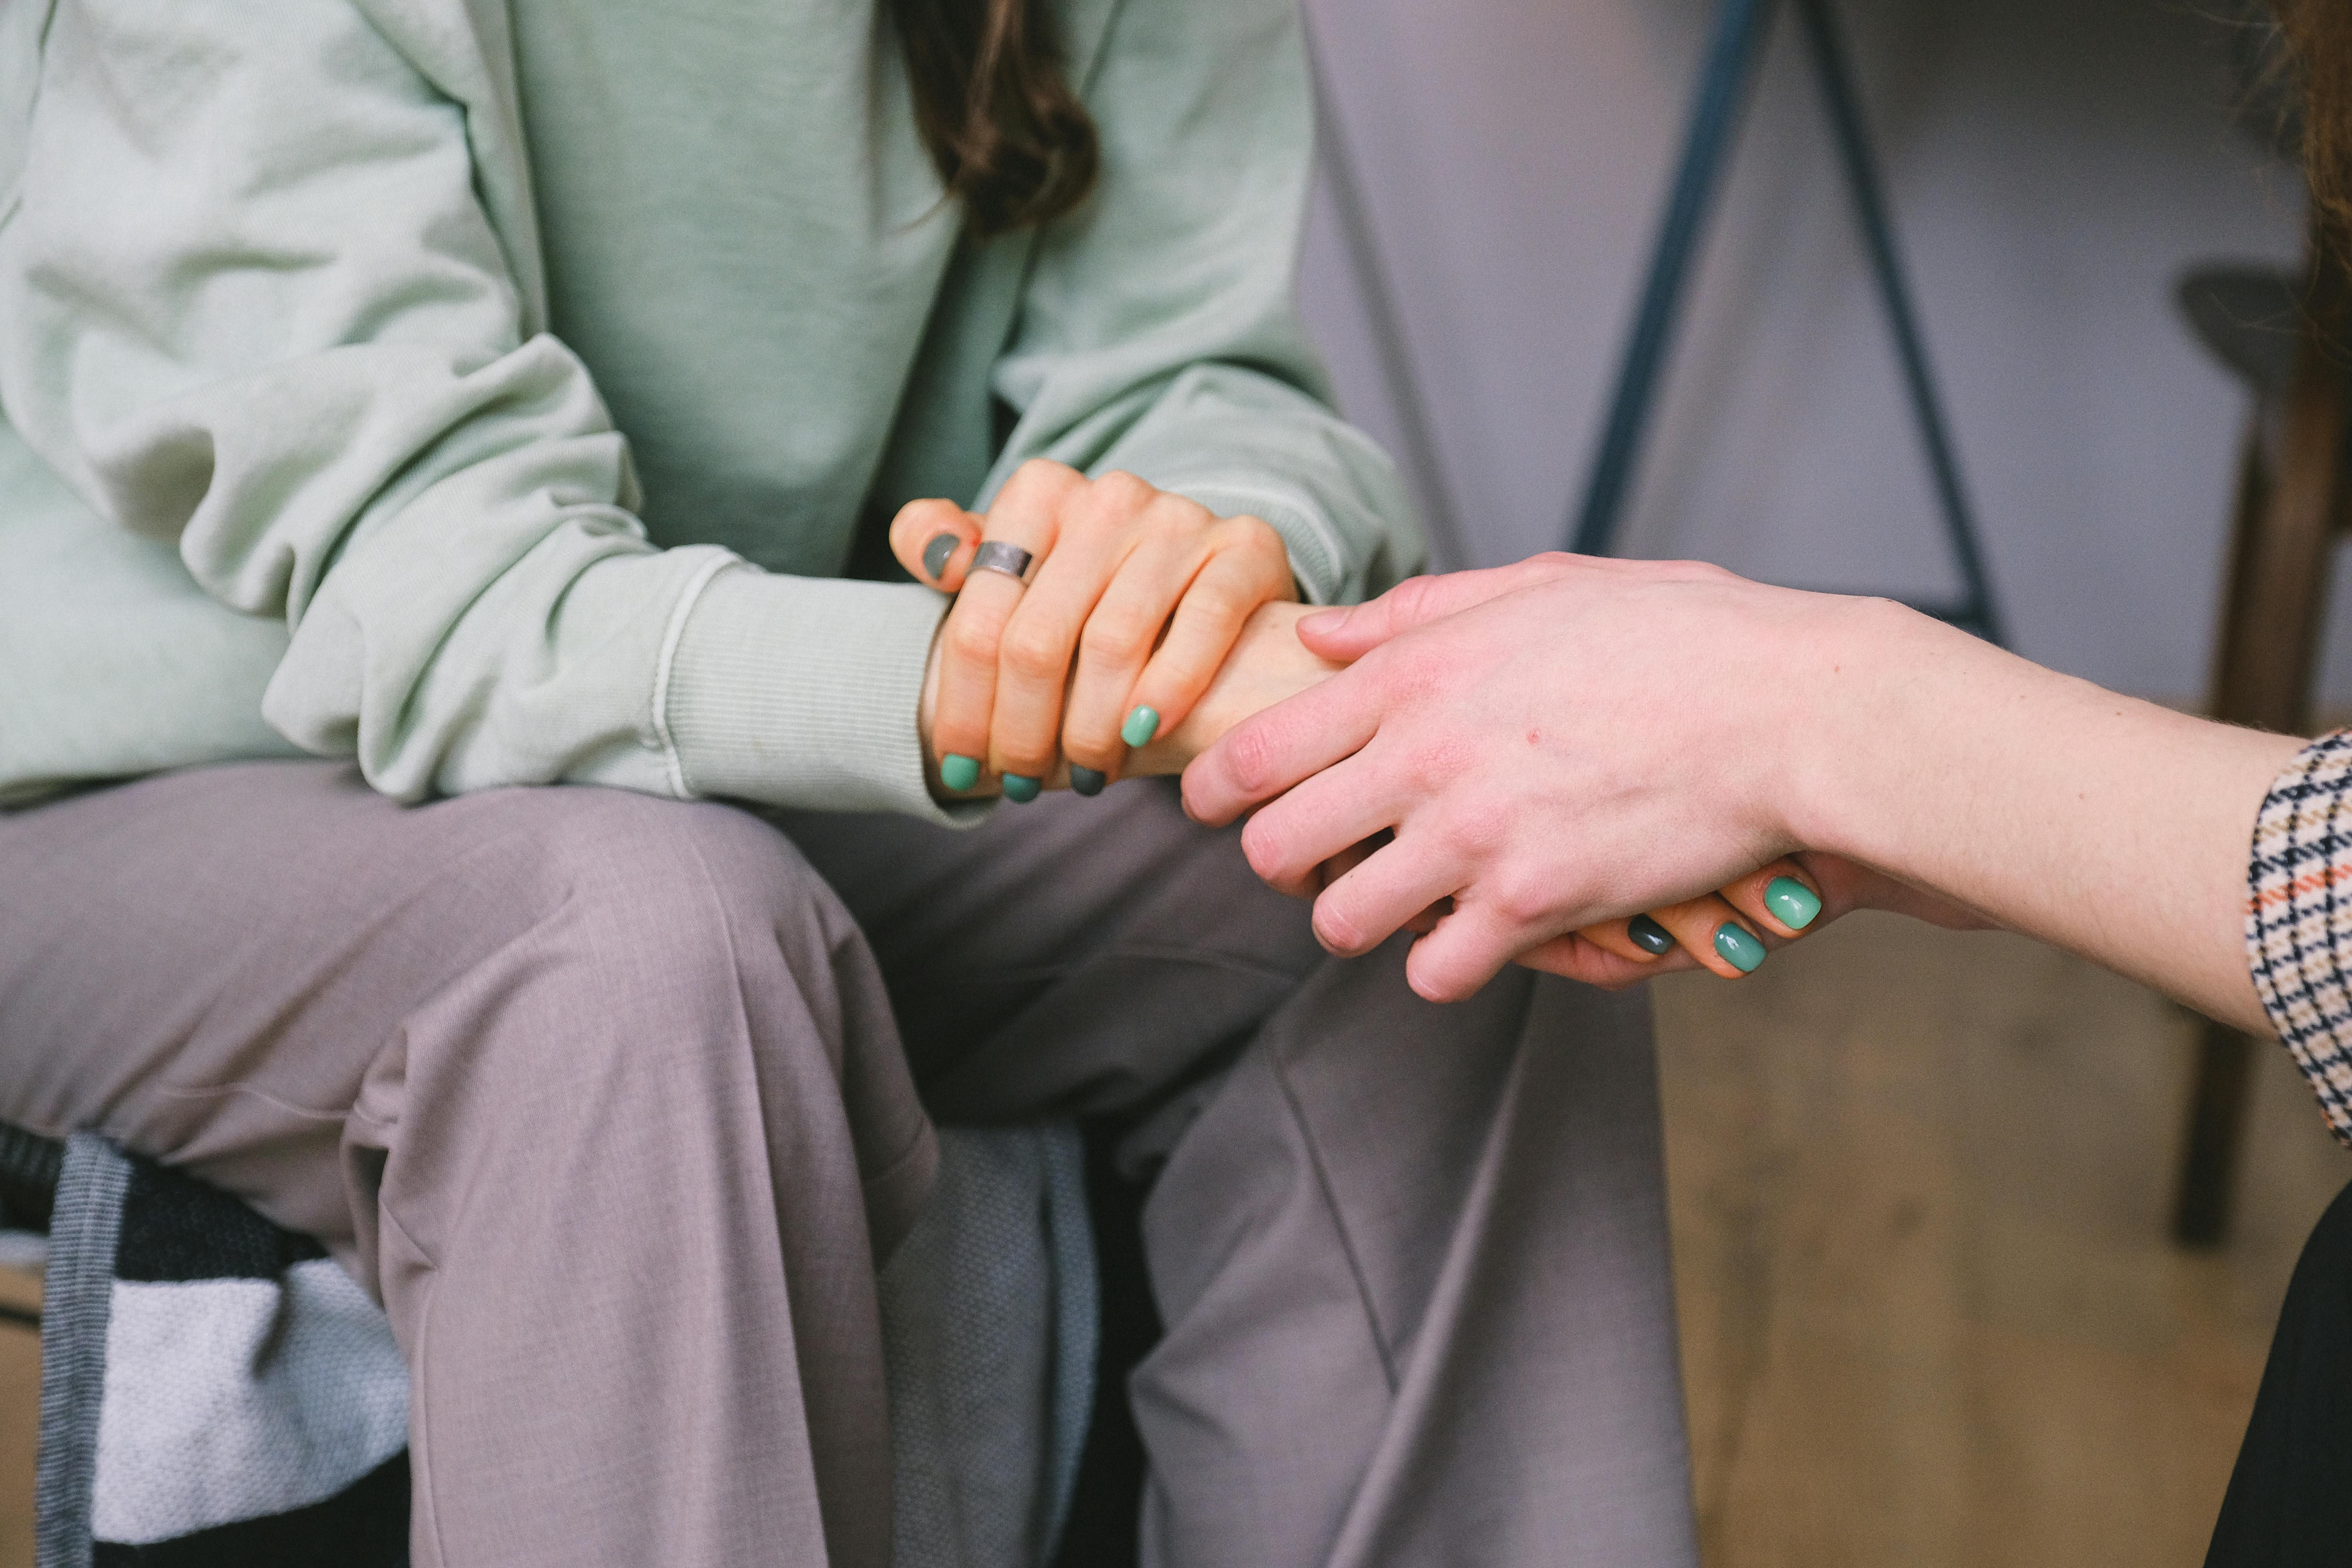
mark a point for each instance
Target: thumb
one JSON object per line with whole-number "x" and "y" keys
{"x": 1346, "y": 636}
{"x": 934, "y": 541}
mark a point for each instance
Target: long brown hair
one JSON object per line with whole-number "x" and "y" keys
{"x": 994, "y": 109}
{"x": 2319, "y": 32}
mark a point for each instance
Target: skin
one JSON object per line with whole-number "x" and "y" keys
{"x": 1550, "y": 747}
{"x": 1137, "y": 597}
{"x": 1266, "y": 664}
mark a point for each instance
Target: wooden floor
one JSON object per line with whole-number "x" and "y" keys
{"x": 1929, "y": 1316}
{"x": 20, "y": 1403}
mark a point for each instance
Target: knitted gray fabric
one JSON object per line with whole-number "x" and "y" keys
{"x": 76, "y": 1304}
{"x": 991, "y": 1319}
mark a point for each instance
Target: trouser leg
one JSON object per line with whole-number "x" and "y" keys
{"x": 2284, "y": 1505}
{"x": 1412, "y": 1259}
{"x": 600, "y": 1092}
{"x": 1414, "y": 1265}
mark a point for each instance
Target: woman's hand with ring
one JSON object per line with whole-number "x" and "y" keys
{"x": 1134, "y": 598}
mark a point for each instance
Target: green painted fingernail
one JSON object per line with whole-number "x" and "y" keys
{"x": 1793, "y": 904}
{"x": 1020, "y": 789}
{"x": 936, "y": 554}
{"x": 1738, "y": 946}
{"x": 1650, "y": 936}
{"x": 1141, "y": 726}
{"x": 1087, "y": 781}
{"x": 958, "y": 771}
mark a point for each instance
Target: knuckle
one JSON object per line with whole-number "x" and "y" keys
{"x": 1219, "y": 599}
{"x": 1036, "y": 484}
{"x": 1175, "y": 517}
{"x": 1692, "y": 572}
{"x": 1256, "y": 535}
{"x": 1116, "y": 499}
{"x": 1261, "y": 846}
{"x": 1032, "y": 651}
{"x": 970, "y": 640}
{"x": 1040, "y": 471}
{"x": 1250, "y": 756}
{"x": 1473, "y": 830}
{"x": 1118, "y": 637}
{"x": 1411, "y": 676}
{"x": 1523, "y": 901}
{"x": 1257, "y": 546}
{"x": 1411, "y": 597}
{"x": 1119, "y": 494}
{"x": 1335, "y": 929}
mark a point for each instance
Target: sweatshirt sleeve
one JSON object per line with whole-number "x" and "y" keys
{"x": 1158, "y": 331}
{"x": 252, "y": 301}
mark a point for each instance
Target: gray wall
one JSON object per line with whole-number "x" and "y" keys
{"x": 2053, "y": 164}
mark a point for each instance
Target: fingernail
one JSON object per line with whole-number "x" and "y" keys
{"x": 936, "y": 554}
{"x": 1086, "y": 780}
{"x": 1323, "y": 621}
{"x": 1141, "y": 726}
{"x": 1650, "y": 936}
{"x": 1020, "y": 790}
{"x": 1738, "y": 946}
{"x": 1793, "y": 904}
{"x": 958, "y": 771}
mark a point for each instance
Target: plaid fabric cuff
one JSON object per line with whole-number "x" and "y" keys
{"x": 2298, "y": 924}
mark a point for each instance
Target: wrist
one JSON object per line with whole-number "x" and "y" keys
{"x": 1858, "y": 703}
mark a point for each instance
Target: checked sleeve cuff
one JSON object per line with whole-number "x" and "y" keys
{"x": 2299, "y": 918}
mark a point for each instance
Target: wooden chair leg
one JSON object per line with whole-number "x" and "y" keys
{"x": 2217, "y": 1094}
{"x": 2208, "y": 1159}
{"x": 2286, "y": 523}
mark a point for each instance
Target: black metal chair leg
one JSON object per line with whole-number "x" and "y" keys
{"x": 1842, "y": 101}
{"x": 1724, "y": 79}
{"x": 1723, "y": 84}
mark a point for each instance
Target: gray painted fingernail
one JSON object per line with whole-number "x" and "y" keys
{"x": 1087, "y": 781}
{"x": 1649, "y": 935}
{"x": 936, "y": 554}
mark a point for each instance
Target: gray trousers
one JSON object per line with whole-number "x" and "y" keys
{"x": 615, "y": 1102}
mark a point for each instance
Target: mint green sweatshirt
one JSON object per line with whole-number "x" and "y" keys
{"x": 494, "y": 390}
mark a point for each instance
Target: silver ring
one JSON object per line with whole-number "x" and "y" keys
{"x": 998, "y": 556}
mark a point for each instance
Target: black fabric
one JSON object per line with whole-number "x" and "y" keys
{"x": 363, "y": 1526}
{"x": 1106, "y": 1500}
{"x": 29, "y": 1167}
{"x": 177, "y": 1228}
{"x": 2285, "y": 1505}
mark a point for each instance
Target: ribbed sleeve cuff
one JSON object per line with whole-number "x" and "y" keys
{"x": 803, "y": 692}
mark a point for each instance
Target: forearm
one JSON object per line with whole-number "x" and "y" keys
{"x": 2107, "y": 825}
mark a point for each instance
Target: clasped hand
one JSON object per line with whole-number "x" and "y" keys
{"x": 1535, "y": 752}
{"x": 1146, "y": 627}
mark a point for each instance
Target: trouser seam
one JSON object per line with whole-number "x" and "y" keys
{"x": 1323, "y": 1183}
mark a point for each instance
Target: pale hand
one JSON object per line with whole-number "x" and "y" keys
{"x": 1266, "y": 664}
